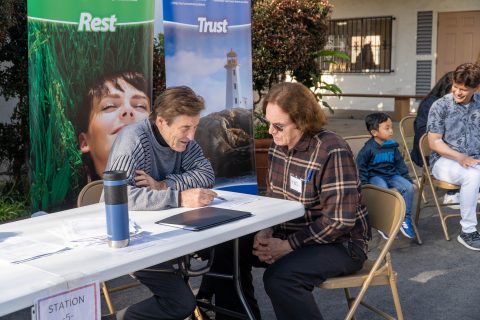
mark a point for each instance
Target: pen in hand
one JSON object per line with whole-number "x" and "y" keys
{"x": 220, "y": 198}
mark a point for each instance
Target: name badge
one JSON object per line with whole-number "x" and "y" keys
{"x": 295, "y": 184}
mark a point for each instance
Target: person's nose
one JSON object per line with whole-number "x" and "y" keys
{"x": 127, "y": 113}
{"x": 271, "y": 129}
{"x": 191, "y": 134}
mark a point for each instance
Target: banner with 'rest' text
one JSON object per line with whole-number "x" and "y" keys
{"x": 90, "y": 74}
{"x": 208, "y": 48}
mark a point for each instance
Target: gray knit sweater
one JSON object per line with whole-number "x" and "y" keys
{"x": 136, "y": 148}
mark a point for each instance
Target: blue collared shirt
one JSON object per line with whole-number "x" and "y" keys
{"x": 459, "y": 125}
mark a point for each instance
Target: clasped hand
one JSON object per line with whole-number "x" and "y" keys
{"x": 269, "y": 249}
{"x": 467, "y": 162}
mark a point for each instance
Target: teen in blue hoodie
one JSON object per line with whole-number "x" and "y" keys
{"x": 380, "y": 163}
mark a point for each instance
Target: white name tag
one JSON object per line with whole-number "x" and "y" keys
{"x": 75, "y": 304}
{"x": 295, "y": 184}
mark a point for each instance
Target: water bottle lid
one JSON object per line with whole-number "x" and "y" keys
{"x": 115, "y": 175}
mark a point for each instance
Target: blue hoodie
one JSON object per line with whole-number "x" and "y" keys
{"x": 382, "y": 161}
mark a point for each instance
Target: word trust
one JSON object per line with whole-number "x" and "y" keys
{"x": 206, "y": 26}
{"x": 59, "y": 306}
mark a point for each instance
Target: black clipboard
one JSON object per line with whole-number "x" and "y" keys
{"x": 203, "y": 218}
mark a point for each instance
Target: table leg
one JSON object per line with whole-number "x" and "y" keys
{"x": 236, "y": 281}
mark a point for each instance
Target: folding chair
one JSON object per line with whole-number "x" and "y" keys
{"x": 407, "y": 133}
{"x": 356, "y": 143}
{"x": 386, "y": 211}
{"x": 427, "y": 178}
{"x": 90, "y": 194}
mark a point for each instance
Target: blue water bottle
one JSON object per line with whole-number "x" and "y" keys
{"x": 116, "y": 205}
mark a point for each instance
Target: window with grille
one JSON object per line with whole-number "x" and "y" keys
{"x": 368, "y": 42}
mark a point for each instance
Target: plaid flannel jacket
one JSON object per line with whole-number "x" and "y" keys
{"x": 320, "y": 173}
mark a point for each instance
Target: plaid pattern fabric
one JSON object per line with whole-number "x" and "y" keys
{"x": 327, "y": 183}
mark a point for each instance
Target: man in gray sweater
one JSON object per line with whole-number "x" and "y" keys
{"x": 165, "y": 169}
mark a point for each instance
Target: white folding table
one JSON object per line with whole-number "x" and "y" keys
{"x": 23, "y": 283}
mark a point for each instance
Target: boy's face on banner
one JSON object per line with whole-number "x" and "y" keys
{"x": 122, "y": 105}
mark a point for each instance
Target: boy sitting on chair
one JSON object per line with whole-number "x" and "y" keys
{"x": 380, "y": 163}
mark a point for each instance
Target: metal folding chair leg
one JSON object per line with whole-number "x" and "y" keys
{"x": 106, "y": 296}
{"x": 349, "y": 298}
{"x": 197, "y": 315}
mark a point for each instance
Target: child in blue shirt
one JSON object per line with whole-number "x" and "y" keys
{"x": 380, "y": 163}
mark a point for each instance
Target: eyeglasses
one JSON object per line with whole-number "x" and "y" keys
{"x": 276, "y": 126}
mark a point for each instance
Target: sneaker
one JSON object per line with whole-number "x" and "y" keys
{"x": 407, "y": 229}
{"x": 452, "y": 198}
{"x": 470, "y": 240}
{"x": 384, "y": 236}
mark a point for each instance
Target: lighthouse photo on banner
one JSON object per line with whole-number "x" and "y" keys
{"x": 208, "y": 48}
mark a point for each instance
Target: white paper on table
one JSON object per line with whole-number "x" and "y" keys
{"x": 137, "y": 242}
{"x": 84, "y": 232}
{"x": 230, "y": 200}
{"x": 19, "y": 249}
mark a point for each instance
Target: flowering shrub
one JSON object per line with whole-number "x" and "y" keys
{"x": 285, "y": 34}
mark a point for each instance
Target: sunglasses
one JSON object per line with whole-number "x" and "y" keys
{"x": 276, "y": 126}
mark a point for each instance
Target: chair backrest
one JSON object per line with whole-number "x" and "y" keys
{"x": 407, "y": 132}
{"x": 90, "y": 194}
{"x": 386, "y": 209}
{"x": 406, "y": 126}
{"x": 424, "y": 149}
{"x": 425, "y": 153}
{"x": 357, "y": 142}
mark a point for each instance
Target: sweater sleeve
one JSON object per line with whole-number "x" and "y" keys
{"x": 362, "y": 165}
{"x": 197, "y": 171}
{"x": 128, "y": 154}
{"x": 401, "y": 166}
{"x": 141, "y": 198}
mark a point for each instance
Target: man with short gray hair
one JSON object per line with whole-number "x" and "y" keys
{"x": 165, "y": 169}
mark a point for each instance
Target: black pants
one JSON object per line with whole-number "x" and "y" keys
{"x": 172, "y": 298}
{"x": 290, "y": 280}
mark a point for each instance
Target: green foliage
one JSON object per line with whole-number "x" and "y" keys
{"x": 14, "y": 136}
{"x": 159, "y": 79}
{"x": 285, "y": 33}
{"x": 319, "y": 86}
{"x": 260, "y": 127}
{"x": 12, "y": 203}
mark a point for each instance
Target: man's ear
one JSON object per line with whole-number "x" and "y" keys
{"x": 160, "y": 122}
{"x": 83, "y": 142}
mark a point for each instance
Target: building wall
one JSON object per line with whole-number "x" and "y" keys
{"x": 402, "y": 80}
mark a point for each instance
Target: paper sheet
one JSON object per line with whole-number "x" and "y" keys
{"x": 230, "y": 200}
{"x": 85, "y": 232}
{"x": 18, "y": 249}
